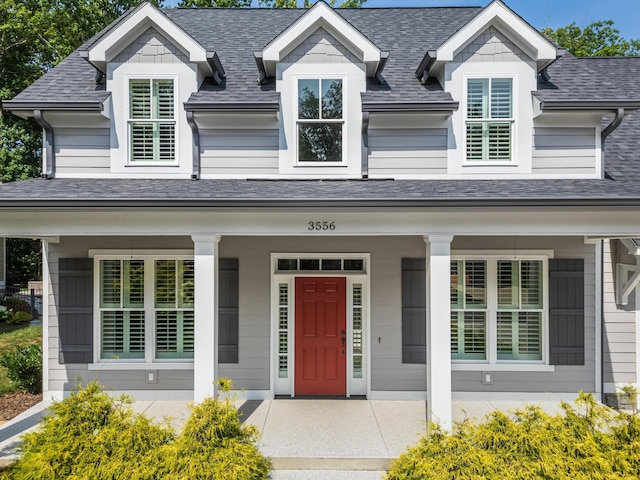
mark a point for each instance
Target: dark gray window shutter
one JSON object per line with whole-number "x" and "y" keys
{"x": 228, "y": 310}
{"x": 414, "y": 311}
{"x": 75, "y": 310}
{"x": 566, "y": 311}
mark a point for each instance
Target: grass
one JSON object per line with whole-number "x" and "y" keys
{"x": 12, "y": 336}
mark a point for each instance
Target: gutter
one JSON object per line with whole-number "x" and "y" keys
{"x": 94, "y": 106}
{"x": 299, "y": 203}
{"x": 550, "y": 105}
{"x": 221, "y": 107}
{"x": 195, "y": 172}
{"x": 433, "y": 107}
{"x": 48, "y": 141}
{"x": 365, "y": 145}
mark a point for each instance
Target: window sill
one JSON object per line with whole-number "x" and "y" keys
{"x": 116, "y": 365}
{"x": 502, "y": 367}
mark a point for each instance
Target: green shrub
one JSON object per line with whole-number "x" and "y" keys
{"x": 588, "y": 441}
{"x": 19, "y": 317}
{"x": 24, "y": 367}
{"x": 91, "y": 435}
{"x": 4, "y": 313}
{"x": 213, "y": 445}
{"x": 16, "y": 304}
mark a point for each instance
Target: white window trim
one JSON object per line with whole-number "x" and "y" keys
{"x": 353, "y": 84}
{"x": 130, "y": 120}
{"x": 149, "y": 362}
{"x": 492, "y": 363}
{"x": 342, "y": 121}
{"x": 524, "y": 83}
{"x": 513, "y": 121}
{"x": 185, "y": 77}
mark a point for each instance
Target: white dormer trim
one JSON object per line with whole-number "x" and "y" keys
{"x": 497, "y": 14}
{"x": 321, "y": 15}
{"x": 135, "y": 24}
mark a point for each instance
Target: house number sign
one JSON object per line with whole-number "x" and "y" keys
{"x": 322, "y": 225}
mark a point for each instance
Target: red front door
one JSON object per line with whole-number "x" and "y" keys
{"x": 320, "y": 339}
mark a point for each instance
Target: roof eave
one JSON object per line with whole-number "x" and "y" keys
{"x": 305, "y": 203}
{"x": 608, "y": 105}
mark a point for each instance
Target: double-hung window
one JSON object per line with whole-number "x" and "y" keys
{"x": 152, "y": 122}
{"x": 489, "y": 120}
{"x": 142, "y": 295}
{"x": 497, "y": 309}
{"x": 320, "y": 120}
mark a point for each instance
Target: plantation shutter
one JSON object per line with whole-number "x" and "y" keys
{"x": 75, "y": 310}
{"x": 228, "y": 310}
{"x": 566, "y": 311}
{"x": 414, "y": 311}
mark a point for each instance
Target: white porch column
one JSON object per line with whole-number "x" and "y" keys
{"x": 438, "y": 271}
{"x": 205, "y": 361}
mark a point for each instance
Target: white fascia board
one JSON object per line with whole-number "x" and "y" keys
{"x": 515, "y": 28}
{"x": 140, "y": 20}
{"x": 320, "y": 15}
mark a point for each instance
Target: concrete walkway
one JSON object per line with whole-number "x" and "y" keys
{"x": 307, "y": 439}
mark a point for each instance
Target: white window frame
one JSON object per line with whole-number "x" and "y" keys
{"x": 353, "y": 85}
{"x": 488, "y": 120}
{"x": 341, "y": 121}
{"x": 149, "y": 361}
{"x": 151, "y": 120}
{"x": 492, "y": 362}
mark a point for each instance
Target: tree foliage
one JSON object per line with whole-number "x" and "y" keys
{"x": 266, "y": 3}
{"x": 599, "y": 39}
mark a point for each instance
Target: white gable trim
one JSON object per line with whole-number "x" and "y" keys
{"x": 136, "y": 23}
{"x": 497, "y": 14}
{"x": 321, "y": 15}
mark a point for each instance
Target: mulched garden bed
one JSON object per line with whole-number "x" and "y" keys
{"x": 14, "y": 403}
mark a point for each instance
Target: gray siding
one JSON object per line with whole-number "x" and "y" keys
{"x": 491, "y": 46}
{"x": 66, "y": 376}
{"x": 320, "y": 47}
{"x": 151, "y": 47}
{"x": 619, "y": 332}
{"x": 564, "y": 150}
{"x": 245, "y": 152}
{"x": 82, "y": 150}
{"x": 407, "y": 151}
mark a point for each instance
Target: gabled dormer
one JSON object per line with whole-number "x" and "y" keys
{"x": 490, "y": 67}
{"x": 151, "y": 67}
{"x": 320, "y": 64}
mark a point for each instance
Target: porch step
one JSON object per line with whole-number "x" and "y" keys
{"x": 326, "y": 475}
{"x": 330, "y": 463}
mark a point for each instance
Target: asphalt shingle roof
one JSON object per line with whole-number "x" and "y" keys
{"x": 407, "y": 33}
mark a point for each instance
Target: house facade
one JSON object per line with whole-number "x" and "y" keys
{"x": 428, "y": 203}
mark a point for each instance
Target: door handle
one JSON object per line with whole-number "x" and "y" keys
{"x": 344, "y": 341}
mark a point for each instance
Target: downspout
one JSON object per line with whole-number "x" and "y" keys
{"x": 195, "y": 172}
{"x": 365, "y": 145}
{"x": 48, "y": 144}
{"x": 615, "y": 123}
{"x": 602, "y": 322}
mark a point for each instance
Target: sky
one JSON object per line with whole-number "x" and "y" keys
{"x": 543, "y": 13}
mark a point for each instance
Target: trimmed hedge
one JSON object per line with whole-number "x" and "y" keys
{"x": 588, "y": 441}
{"x": 92, "y": 435}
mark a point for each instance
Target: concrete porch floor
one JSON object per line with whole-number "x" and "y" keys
{"x": 317, "y": 439}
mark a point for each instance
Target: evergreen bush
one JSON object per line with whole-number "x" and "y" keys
{"x": 91, "y": 435}
{"x": 24, "y": 367}
{"x": 587, "y": 441}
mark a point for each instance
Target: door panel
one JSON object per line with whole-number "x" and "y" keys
{"x": 320, "y": 324}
